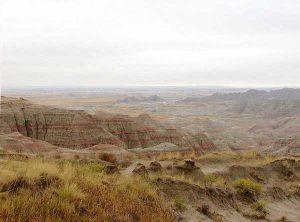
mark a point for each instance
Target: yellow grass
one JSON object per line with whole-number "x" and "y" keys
{"x": 38, "y": 190}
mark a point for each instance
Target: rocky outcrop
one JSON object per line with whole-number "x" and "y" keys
{"x": 64, "y": 128}
{"x": 140, "y": 169}
{"x": 142, "y": 132}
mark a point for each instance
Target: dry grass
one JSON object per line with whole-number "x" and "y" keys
{"x": 108, "y": 157}
{"x": 218, "y": 157}
{"x": 248, "y": 158}
{"x": 37, "y": 190}
{"x": 175, "y": 155}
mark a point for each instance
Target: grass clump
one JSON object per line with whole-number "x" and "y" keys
{"x": 247, "y": 188}
{"x": 259, "y": 206}
{"x": 179, "y": 204}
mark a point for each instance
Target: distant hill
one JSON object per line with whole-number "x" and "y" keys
{"x": 134, "y": 99}
{"x": 280, "y": 94}
{"x": 273, "y": 103}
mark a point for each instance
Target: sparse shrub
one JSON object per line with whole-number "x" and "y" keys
{"x": 209, "y": 179}
{"x": 247, "y": 188}
{"x": 259, "y": 206}
{"x": 108, "y": 157}
{"x": 179, "y": 204}
{"x": 95, "y": 167}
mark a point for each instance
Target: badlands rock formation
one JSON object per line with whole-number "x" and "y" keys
{"x": 142, "y": 132}
{"x": 78, "y": 129}
{"x": 64, "y": 128}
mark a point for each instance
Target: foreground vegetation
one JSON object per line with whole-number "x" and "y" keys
{"x": 38, "y": 190}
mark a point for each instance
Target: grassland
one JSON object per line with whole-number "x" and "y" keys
{"x": 39, "y": 190}
{"x": 249, "y": 187}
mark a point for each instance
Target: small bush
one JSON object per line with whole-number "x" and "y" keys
{"x": 108, "y": 157}
{"x": 247, "y": 188}
{"x": 259, "y": 206}
{"x": 209, "y": 179}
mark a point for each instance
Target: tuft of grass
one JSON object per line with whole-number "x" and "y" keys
{"x": 247, "y": 188}
{"x": 179, "y": 204}
{"x": 259, "y": 206}
{"x": 209, "y": 179}
{"x": 71, "y": 191}
{"x": 214, "y": 180}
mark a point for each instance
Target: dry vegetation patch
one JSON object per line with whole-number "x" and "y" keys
{"x": 64, "y": 191}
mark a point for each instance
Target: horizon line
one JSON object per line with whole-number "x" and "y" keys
{"x": 148, "y": 86}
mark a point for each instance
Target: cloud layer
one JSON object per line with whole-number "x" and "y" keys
{"x": 171, "y": 42}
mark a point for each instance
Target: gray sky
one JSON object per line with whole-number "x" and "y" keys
{"x": 153, "y": 42}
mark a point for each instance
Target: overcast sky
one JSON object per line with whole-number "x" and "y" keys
{"x": 150, "y": 42}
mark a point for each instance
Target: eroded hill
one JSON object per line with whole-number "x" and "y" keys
{"x": 78, "y": 129}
